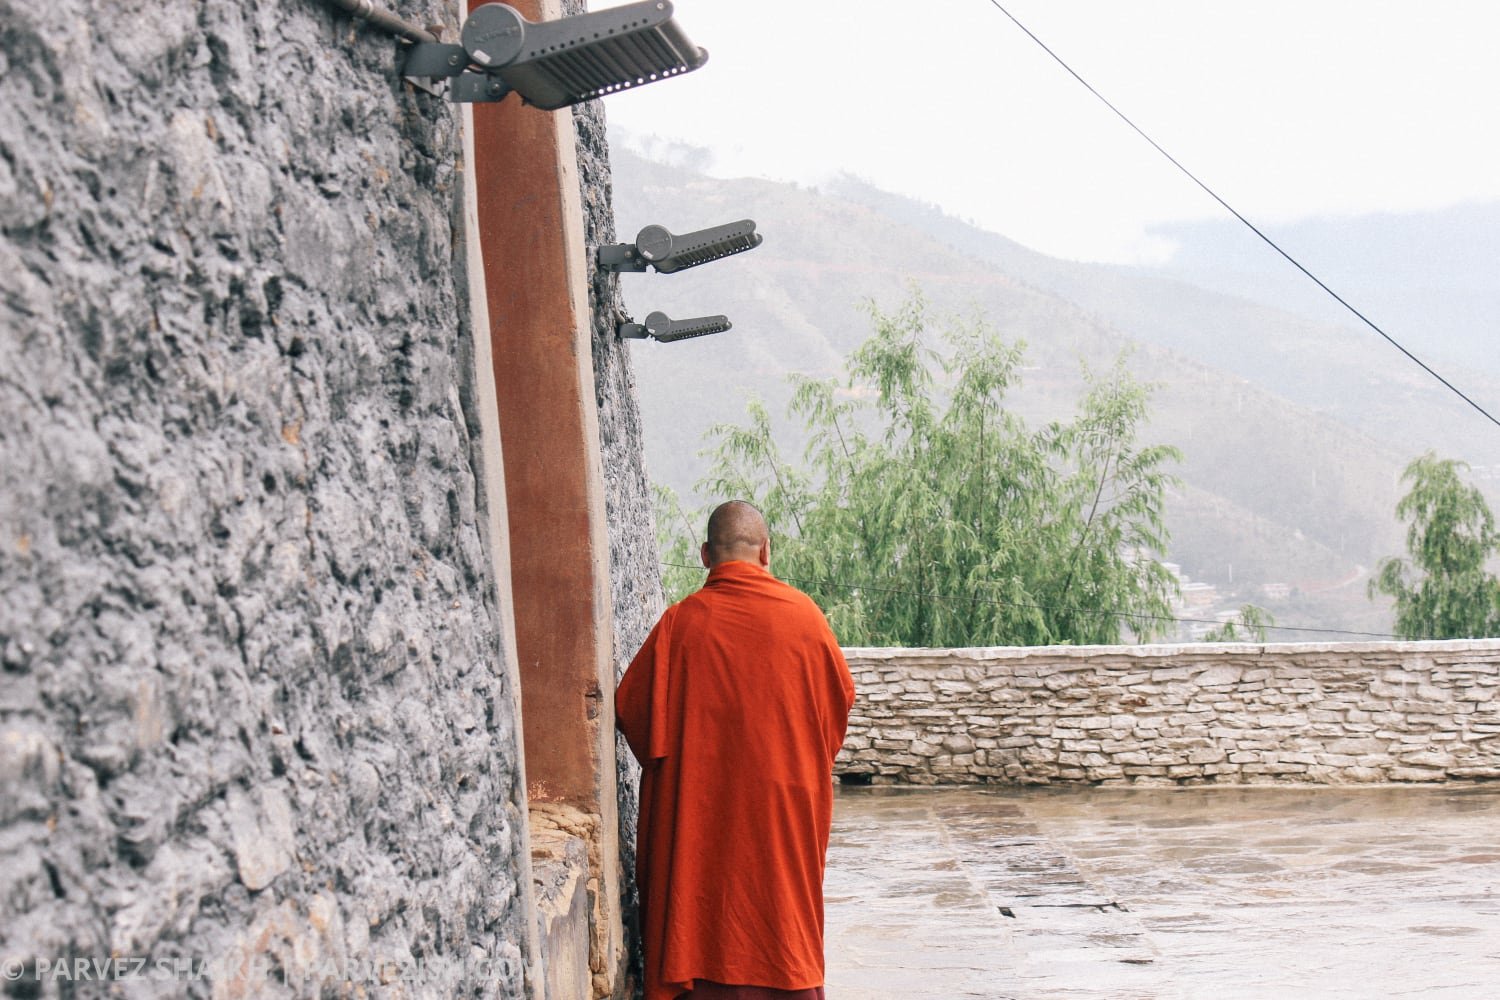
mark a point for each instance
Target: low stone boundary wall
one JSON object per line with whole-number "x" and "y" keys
{"x": 1184, "y": 714}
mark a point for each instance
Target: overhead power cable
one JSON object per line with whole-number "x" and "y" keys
{"x": 1248, "y": 224}
{"x": 1103, "y": 612}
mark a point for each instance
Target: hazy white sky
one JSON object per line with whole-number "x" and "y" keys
{"x": 1287, "y": 109}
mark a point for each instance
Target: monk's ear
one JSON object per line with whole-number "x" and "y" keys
{"x": 703, "y": 556}
{"x": 764, "y": 555}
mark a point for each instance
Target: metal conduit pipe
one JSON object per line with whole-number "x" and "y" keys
{"x": 365, "y": 10}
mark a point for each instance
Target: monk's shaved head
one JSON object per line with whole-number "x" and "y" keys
{"x": 736, "y": 530}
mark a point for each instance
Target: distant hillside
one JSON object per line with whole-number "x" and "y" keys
{"x": 1429, "y": 278}
{"x": 1281, "y": 484}
{"x": 1226, "y": 299}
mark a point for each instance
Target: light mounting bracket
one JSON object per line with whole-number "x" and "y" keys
{"x": 553, "y": 64}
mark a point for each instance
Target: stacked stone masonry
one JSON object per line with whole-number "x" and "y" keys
{"x": 1191, "y": 714}
{"x": 250, "y": 704}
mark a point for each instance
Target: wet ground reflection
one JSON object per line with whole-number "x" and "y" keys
{"x": 1164, "y": 893}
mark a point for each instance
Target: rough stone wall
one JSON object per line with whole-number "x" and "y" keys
{"x": 248, "y": 630}
{"x": 1398, "y": 712}
{"x": 635, "y": 576}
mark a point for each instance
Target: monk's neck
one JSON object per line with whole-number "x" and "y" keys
{"x": 737, "y": 567}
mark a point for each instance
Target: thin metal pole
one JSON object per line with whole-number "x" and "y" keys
{"x": 365, "y": 10}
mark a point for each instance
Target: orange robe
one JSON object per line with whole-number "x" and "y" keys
{"x": 735, "y": 706}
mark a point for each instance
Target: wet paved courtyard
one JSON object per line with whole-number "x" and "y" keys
{"x": 1119, "y": 893}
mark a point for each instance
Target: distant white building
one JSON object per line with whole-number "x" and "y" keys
{"x": 1199, "y": 595}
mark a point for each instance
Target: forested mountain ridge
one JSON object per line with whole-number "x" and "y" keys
{"x": 1278, "y": 488}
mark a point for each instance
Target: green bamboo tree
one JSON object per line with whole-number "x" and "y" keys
{"x": 1445, "y": 591}
{"x": 924, "y": 513}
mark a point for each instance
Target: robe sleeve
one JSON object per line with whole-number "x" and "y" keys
{"x": 843, "y": 700}
{"x": 641, "y": 703}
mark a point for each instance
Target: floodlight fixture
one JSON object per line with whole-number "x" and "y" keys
{"x": 663, "y": 329}
{"x": 657, "y": 247}
{"x": 553, "y": 64}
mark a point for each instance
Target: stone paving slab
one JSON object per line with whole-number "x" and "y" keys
{"x": 1164, "y": 894}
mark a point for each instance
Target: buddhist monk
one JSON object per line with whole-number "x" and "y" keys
{"x": 735, "y": 707}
